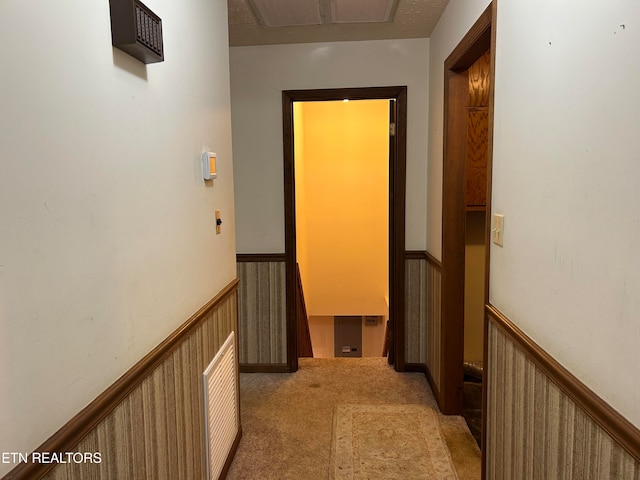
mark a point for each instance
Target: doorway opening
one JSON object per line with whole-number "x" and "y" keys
{"x": 342, "y": 182}
{"x": 469, "y": 85}
{"x": 396, "y": 104}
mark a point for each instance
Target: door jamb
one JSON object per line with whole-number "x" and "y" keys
{"x": 397, "y": 194}
{"x": 478, "y": 40}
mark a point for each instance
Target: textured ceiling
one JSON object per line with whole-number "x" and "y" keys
{"x": 413, "y": 19}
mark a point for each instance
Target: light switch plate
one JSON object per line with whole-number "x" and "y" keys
{"x": 498, "y": 229}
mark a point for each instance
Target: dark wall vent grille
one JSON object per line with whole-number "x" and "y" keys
{"x": 149, "y": 28}
{"x": 136, "y": 30}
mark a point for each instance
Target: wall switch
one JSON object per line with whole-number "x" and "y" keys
{"x": 498, "y": 229}
{"x": 218, "y": 223}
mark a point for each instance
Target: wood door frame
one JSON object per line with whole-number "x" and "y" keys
{"x": 474, "y": 44}
{"x": 397, "y": 194}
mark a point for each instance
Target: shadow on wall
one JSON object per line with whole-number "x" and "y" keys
{"x": 129, "y": 64}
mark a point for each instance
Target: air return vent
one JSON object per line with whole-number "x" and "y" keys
{"x": 136, "y": 30}
{"x": 221, "y": 407}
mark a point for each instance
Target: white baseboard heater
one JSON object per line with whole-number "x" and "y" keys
{"x": 220, "y": 407}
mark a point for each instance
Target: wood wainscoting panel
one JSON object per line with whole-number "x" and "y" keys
{"x": 434, "y": 322}
{"x": 415, "y": 310}
{"x": 480, "y": 81}
{"x": 476, "y": 156}
{"x": 537, "y": 428}
{"x": 157, "y": 429}
{"x": 262, "y": 322}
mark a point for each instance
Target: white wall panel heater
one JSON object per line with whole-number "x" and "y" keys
{"x": 220, "y": 407}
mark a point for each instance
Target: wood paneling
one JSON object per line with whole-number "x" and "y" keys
{"x": 154, "y": 428}
{"x": 476, "y": 153}
{"x": 544, "y": 423}
{"x": 434, "y": 323}
{"x": 423, "y": 280}
{"x": 479, "y": 81}
{"x": 264, "y": 368}
{"x": 423, "y": 315}
{"x": 415, "y": 312}
{"x": 262, "y": 327}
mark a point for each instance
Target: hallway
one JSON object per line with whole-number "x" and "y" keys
{"x": 287, "y": 418}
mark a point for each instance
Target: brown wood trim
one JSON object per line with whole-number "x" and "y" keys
{"x": 433, "y": 385}
{"x": 397, "y": 219}
{"x": 415, "y": 255}
{"x": 290, "y": 245}
{"x": 487, "y": 235}
{"x": 435, "y": 263}
{"x": 618, "y": 427}
{"x": 264, "y": 368}
{"x": 415, "y": 367}
{"x": 476, "y": 208}
{"x": 423, "y": 255}
{"x": 87, "y": 419}
{"x": 474, "y": 44}
{"x": 355, "y": 93}
{"x": 453, "y": 243}
{"x": 260, "y": 257}
{"x": 397, "y": 194}
{"x": 456, "y": 96}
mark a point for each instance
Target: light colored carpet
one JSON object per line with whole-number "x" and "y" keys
{"x": 287, "y": 418}
{"x": 388, "y": 442}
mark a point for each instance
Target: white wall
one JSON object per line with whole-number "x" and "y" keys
{"x": 565, "y": 174}
{"x": 259, "y": 74}
{"x": 322, "y": 332}
{"x": 458, "y": 17}
{"x": 107, "y": 238}
{"x": 373, "y": 338}
{"x": 566, "y": 171}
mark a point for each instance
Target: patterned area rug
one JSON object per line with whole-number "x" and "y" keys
{"x": 376, "y": 442}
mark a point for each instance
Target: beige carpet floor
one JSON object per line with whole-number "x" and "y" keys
{"x": 287, "y": 419}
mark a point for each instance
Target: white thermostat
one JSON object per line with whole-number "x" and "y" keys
{"x": 209, "y": 165}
